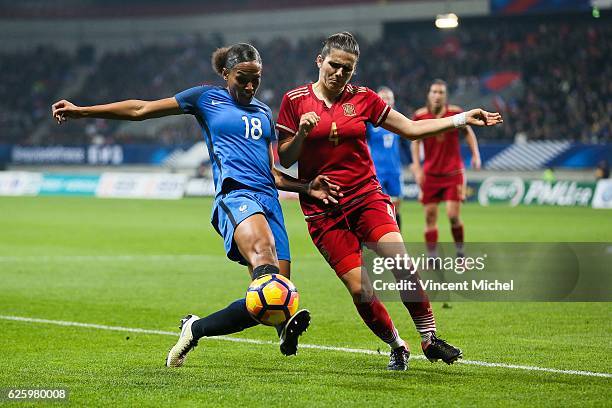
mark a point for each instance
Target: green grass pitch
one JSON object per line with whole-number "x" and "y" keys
{"x": 145, "y": 264}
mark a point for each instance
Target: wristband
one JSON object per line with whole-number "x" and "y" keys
{"x": 459, "y": 120}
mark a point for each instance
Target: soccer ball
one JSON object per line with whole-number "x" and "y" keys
{"x": 272, "y": 299}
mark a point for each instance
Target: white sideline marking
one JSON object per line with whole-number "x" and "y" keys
{"x": 306, "y": 346}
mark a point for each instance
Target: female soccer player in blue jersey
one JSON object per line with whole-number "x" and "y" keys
{"x": 238, "y": 130}
{"x": 385, "y": 151}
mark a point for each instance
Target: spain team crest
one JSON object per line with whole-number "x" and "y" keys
{"x": 349, "y": 109}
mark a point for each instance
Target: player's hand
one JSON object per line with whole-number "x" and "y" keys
{"x": 476, "y": 164}
{"x": 323, "y": 189}
{"x": 307, "y": 122}
{"x": 62, "y": 110}
{"x": 479, "y": 117}
{"x": 419, "y": 175}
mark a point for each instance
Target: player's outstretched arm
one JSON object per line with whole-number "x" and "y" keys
{"x": 321, "y": 187}
{"x": 414, "y": 130}
{"x": 125, "y": 110}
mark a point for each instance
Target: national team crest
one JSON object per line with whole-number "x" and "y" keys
{"x": 349, "y": 109}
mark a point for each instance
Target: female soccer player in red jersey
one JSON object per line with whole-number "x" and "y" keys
{"x": 442, "y": 178}
{"x": 322, "y": 126}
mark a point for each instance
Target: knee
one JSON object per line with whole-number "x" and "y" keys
{"x": 264, "y": 250}
{"x": 264, "y": 245}
{"x": 430, "y": 218}
{"x": 390, "y": 245}
{"x": 361, "y": 293}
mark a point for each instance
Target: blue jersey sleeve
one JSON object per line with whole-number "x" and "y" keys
{"x": 274, "y": 134}
{"x": 188, "y": 99}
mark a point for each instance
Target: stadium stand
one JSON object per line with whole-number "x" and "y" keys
{"x": 555, "y": 72}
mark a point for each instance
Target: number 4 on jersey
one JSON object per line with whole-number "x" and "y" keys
{"x": 333, "y": 134}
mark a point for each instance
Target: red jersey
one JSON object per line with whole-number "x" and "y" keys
{"x": 337, "y": 146}
{"x": 442, "y": 151}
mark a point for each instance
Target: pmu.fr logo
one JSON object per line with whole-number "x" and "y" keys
{"x": 349, "y": 109}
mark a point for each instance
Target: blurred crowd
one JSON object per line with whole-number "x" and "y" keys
{"x": 561, "y": 88}
{"x": 30, "y": 80}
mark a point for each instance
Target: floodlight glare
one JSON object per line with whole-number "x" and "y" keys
{"x": 449, "y": 20}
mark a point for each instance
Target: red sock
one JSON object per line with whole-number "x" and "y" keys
{"x": 419, "y": 308}
{"x": 376, "y": 317}
{"x": 417, "y": 302}
{"x": 431, "y": 239}
{"x": 422, "y": 316}
{"x": 458, "y": 237}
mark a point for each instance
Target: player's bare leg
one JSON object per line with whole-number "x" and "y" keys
{"x": 391, "y": 245}
{"x": 453, "y": 209}
{"x": 431, "y": 229}
{"x": 256, "y": 244}
{"x": 375, "y": 316}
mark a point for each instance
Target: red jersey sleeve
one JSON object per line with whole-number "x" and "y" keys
{"x": 288, "y": 121}
{"x": 375, "y": 108}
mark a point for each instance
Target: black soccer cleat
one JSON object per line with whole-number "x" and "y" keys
{"x": 295, "y": 326}
{"x": 438, "y": 349}
{"x": 398, "y": 359}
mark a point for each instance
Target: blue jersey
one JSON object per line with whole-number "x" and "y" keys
{"x": 238, "y": 137}
{"x": 385, "y": 149}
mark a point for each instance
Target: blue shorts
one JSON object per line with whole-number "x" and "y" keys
{"x": 231, "y": 209}
{"x": 391, "y": 184}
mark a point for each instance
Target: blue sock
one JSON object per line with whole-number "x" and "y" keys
{"x": 233, "y": 319}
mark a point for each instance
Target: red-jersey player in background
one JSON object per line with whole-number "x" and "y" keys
{"x": 442, "y": 176}
{"x": 323, "y": 127}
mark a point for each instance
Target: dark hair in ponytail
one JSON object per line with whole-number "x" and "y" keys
{"x": 228, "y": 57}
{"x": 342, "y": 41}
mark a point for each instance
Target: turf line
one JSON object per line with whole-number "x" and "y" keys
{"x": 306, "y": 346}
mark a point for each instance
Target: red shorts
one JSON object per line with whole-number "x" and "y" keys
{"x": 339, "y": 234}
{"x": 443, "y": 188}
